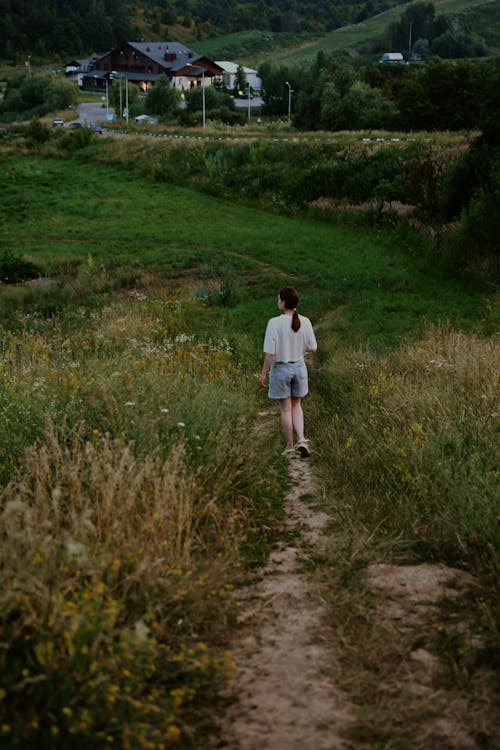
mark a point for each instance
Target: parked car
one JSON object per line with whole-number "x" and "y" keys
{"x": 96, "y": 127}
{"x": 145, "y": 118}
{"x": 57, "y": 121}
{"x": 75, "y": 124}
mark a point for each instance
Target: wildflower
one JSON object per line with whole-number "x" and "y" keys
{"x": 95, "y": 432}
{"x": 130, "y": 403}
{"x": 181, "y": 424}
{"x": 173, "y": 732}
{"x": 165, "y": 410}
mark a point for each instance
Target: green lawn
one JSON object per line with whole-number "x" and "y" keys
{"x": 58, "y": 209}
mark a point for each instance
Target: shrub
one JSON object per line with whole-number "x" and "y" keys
{"x": 14, "y": 269}
{"x": 38, "y": 132}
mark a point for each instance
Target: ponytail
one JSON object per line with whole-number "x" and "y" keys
{"x": 290, "y": 297}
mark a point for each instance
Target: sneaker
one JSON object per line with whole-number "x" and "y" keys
{"x": 303, "y": 449}
{"x": 289, "y": 453}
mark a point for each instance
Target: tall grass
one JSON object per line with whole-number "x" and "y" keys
{"x": 130, "y": 477}
{"x": 411, "y": 445}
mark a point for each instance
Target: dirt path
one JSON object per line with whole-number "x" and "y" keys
{"x": 285, "y": 697}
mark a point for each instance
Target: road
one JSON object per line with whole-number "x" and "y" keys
{"x": 95, "y": 111}
{"x": 89, "y": 112}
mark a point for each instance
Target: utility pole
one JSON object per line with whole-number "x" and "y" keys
{"x": 289, "y": 100}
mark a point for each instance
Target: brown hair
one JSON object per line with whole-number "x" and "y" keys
{"x": 290, "y": 297}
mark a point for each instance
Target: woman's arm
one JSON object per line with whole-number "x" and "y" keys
{"x": 265, "y": 369}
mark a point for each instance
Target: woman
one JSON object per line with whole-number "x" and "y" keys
{"x": 288, "y": 337}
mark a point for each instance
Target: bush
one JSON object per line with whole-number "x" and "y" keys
{"x": 38, "y": 131}
{"x": 14, "y": 269}
{"x": 227, "y": 115}
{"x": 73, "y": 140}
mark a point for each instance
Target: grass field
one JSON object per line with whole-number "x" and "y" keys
{"x": 136, "y": 488}
{"x": 53, "y": 210}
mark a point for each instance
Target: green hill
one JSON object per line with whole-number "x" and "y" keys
{"x": 253, "y": 47}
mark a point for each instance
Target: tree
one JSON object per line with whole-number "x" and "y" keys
{"x": 442, "y": 95}
{"x": 415, "y": 23}
{"x": 356, "y": 107}
{"x": 365, "y": 108}
{"x": 120, "y": 84}
{"x": 456, "y": 45}
{"x": 162, "y": 100}
{"x": 213, "y": 99}
{"x": 240, "y": 82}
{"x": 61, "y": 93}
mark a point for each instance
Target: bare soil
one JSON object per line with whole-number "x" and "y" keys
{"x": 286, "y": 694}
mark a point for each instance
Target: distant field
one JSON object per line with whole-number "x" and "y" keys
{"x": 342, "y": 39}
{"x": 55, "y": 210}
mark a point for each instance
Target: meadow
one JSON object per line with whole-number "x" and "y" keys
{"x": 137, "y": 490}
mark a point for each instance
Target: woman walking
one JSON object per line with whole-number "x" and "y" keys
{"x": 288, "y": 337}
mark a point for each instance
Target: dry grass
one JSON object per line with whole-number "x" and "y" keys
{"x": 125, "y": 516}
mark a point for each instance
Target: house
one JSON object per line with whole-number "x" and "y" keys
{"x": 76, "y": 70}
{"x": 392, "y": 57}
{"x": 144, "y": 63}
{"x": 229, "y": 75}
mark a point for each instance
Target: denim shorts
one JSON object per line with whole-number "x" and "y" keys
{"x": 288, "y": 379}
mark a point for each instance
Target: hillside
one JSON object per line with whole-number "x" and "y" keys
{"x": 252, "y": 32}
{"x": 478, "y": 16}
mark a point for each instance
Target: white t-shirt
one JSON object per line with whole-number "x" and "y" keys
{"x": 286, "y": 344}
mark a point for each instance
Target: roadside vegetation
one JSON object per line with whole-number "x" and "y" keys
{"x": 136, "y": 493}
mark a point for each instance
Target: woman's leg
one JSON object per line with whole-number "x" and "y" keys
{"x": 297, "y": 417}
{"x": 286, "y": 420}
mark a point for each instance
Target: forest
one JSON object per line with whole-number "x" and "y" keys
{"x": 46, "y": 28}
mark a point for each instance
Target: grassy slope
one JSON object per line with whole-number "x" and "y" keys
{"x": 53, "y": 209}
{"x": 342, "y": 39}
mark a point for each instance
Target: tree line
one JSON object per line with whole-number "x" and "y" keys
{"x": 55, "y": 28}
{"x": 336, "y": 95}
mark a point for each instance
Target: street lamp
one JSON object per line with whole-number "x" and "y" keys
{"x": 190, "y": 65}
{"x": 289, "y": 99}
{"x": 248, "y": 94}
{"x": 114, "y": 74}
